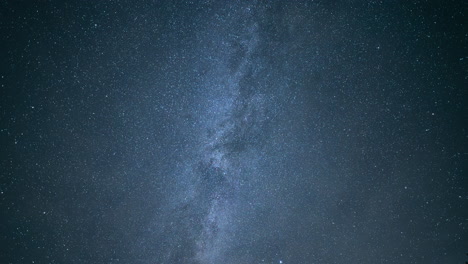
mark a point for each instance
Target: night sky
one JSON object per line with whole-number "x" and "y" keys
{"x": 233, "y": 132}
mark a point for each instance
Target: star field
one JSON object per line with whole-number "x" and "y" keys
{"x": 206, "y": 132}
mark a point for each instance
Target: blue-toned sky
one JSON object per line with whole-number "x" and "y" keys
{"x": 233, "y": 132}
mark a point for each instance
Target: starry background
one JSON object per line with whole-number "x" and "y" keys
{"x": 233, "y": 132}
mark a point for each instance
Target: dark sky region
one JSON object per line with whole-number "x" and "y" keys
{"x": 233, "y": 132}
